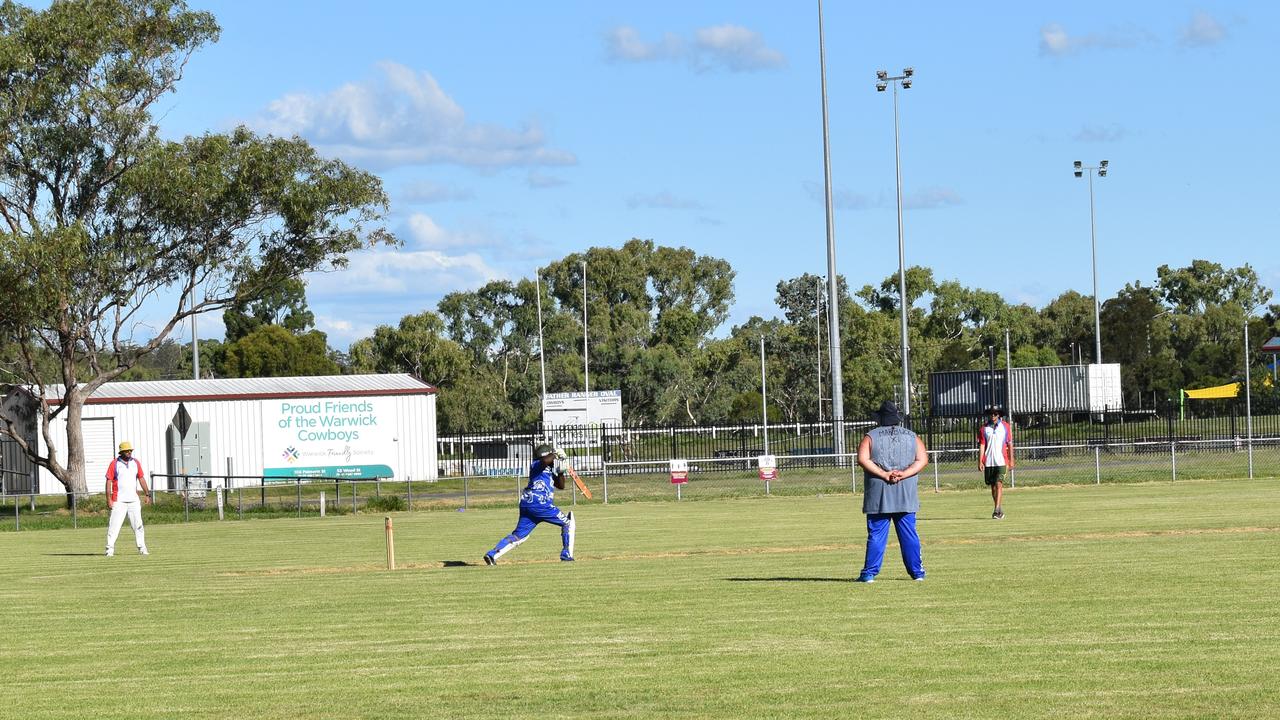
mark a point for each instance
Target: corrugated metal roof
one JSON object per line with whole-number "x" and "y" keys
{"x": 254, "y": 388}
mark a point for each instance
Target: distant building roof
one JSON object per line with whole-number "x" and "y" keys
{"x": 253, "y": 388}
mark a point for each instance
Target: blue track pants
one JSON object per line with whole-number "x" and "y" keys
{"x": 878, "y": 538}
{"x": 529, "y": 519}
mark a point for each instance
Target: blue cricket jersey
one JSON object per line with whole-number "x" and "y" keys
{"x": 540, "y": 492}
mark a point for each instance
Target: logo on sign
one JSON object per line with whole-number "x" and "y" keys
{"x": 290, "y": 455}
{"x": 768, "y": 467}
{"x": 679, "y": 472}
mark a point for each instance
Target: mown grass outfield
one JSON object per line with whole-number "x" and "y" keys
{"x": 1157, "y": 600}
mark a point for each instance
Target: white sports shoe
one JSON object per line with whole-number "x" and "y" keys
{"x": 143, "y": 551}
{"x": 111, "y": 552}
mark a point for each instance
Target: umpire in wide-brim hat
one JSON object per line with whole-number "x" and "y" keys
{"x": 888, "y": 414}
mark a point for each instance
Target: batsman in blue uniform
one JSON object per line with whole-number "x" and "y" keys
{"x": 537, "y": 505}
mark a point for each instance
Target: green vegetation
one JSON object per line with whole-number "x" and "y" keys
{"x": 1123, "y": 601}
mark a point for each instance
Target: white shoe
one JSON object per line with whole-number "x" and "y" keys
{"x": 111, "y": 552}
{"x": 143, "y": 551}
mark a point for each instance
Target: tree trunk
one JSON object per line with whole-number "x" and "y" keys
{"x": 75, "y": 479}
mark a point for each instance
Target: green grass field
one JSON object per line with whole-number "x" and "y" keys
{"x": 1155, "y": 600}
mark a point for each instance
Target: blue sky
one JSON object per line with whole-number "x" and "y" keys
{"x": 512, "y": 134}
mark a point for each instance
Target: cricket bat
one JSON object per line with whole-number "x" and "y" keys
{"x": 577, "y": 481}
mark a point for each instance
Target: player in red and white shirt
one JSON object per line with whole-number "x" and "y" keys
{"x": 124, "y": 478}
{"x": 995, "y": 453}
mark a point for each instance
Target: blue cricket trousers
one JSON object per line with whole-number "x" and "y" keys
{"x": 529, "y": 518}
{"x": 878, "y": 538}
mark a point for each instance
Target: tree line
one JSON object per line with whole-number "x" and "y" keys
{"x": 654, "y": 331}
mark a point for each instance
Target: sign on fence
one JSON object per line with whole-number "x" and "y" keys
{"x": 768, "y": 467}
{"x": 679, "y": 472}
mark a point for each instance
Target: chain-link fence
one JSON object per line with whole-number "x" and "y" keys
{"x": 723, "y": 474}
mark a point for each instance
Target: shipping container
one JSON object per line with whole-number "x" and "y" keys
{"x": 1058, "y": 388}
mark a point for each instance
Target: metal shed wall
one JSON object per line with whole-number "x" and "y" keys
{"x": 237, "y": 434}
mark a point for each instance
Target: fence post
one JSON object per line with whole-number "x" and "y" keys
{"x": 219, "y": 498}
{"x": 937, "y": 457}
{"x": 605, "y": 466}
{"x": 354, "y": 494}
{"x": 1097, "y": 465}
{"x": 239, "y": 503}
{"x": 1173, "y": 457}
{"x": 262, "y": 482}
{"x": 298, "y": 483}
{"x": 321, "y": 503}
{"x": 17, "y": 524}
{"x": 75, "y": 518}
{"x": 186, "y": 498}
{"x": 466, "y": 492}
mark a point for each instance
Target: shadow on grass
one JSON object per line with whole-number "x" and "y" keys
{"x": 790, "y": 579}
{"x": 456, "y": 563}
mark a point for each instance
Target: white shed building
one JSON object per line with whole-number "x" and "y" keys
{"x": 348, "y": 426}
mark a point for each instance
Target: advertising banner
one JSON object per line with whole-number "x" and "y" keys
{"x": 352, "y": 438}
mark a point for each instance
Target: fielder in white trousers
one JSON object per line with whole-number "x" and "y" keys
{"x": 118, "y": 512}
{"x": 124, "y": 479}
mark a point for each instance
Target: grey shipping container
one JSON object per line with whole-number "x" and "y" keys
{"x": 1059, "y": 388}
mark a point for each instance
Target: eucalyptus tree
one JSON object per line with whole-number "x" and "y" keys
{"x": 105, "y": 226}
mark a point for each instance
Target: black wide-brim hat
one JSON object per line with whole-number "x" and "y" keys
{"x": 888, "y": 414}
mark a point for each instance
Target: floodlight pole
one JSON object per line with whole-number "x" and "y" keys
{"x": 882, "y": 78}
{"x": 833, "y": 302}
{"x": 542, "y": 357}
{"x": 195, "y": 341}
{"x": 1093, "y": 244}
{"x": 1248, "y": 396}
{"x": 764, "y": 398}
{"x": 817, "y": 318}
{"x": 586, "y": 364}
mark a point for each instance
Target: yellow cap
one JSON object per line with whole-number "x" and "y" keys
{"x": 126, "y": 445}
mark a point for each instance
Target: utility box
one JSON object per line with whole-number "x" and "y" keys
{"x": 188, "y": 453}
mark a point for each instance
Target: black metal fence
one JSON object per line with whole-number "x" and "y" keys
{"x": 590, "y": 448}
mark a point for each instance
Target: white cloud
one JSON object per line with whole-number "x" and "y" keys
{"x": 931, "y": 198}
{"x": 427, "y": 234}
{"x": 1055, "y": 40}
{"x": 737, "y": 48}
{"x": 425, "y": 273}
{"x": 539, "y": 181}
{"x": 664, "y": 201}
{"x": 427, "y": 192}
{"x": 404, "y": 118}
{"x": 1100, "y": 133}
{"x": 1202, "y": 31}
{"x": 842, "y": 199}
{"x": 730, "y": 47}
{"x": 624, "y": 44}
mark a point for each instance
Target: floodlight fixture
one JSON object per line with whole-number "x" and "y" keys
{"x": 881, "y": 87}
{"x": 908, "y": 72}
{"x": 906, "y": 84}
{"x": 882, "y": 75}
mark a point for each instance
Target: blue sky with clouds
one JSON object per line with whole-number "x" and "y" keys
{"x": 512, "y": 134}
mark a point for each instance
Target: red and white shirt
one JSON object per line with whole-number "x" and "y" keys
{"x": 123, "y": 475}
{"x": 995, "y": 442}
